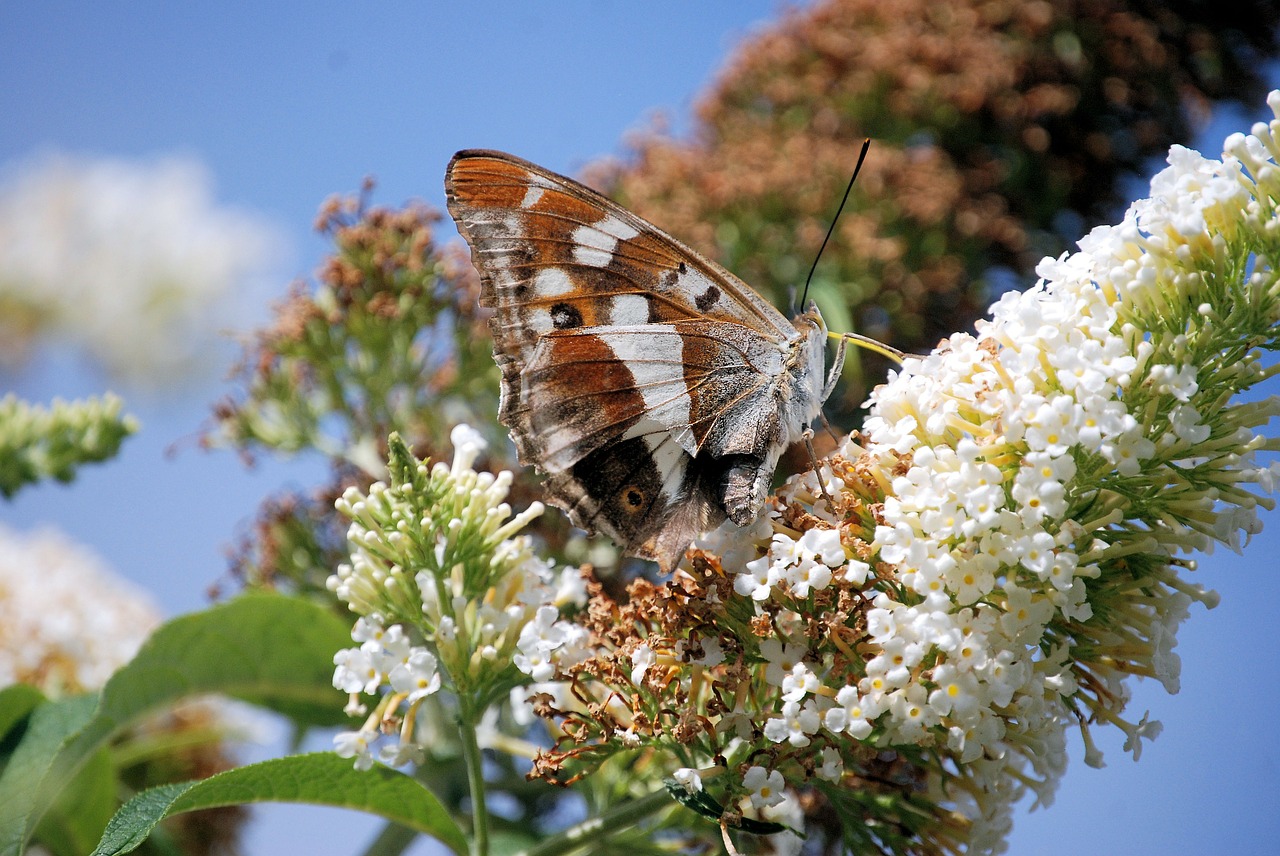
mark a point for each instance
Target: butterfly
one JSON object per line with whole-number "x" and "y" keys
{"x": 654, "y": 389}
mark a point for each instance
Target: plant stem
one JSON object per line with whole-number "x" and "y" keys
{"x": 475, "y": 779}
{"x": 593, "y": 829}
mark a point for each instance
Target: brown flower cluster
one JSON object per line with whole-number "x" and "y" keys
{"x": 684, "y": 667}
{"x": 389, "y": 338}
{"x": 361, "y": 344}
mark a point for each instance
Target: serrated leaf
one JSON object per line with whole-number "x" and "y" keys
{"x": 706, "y": 805}
{"x": 275, "y": 650}
{"x": 321, "y": 778}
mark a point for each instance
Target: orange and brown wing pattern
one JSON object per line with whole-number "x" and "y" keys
{"x": 620, "y": 419}
{"x": 643, "y": 379}
{"x": 553, "y": 254}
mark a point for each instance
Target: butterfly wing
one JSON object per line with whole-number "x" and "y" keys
{"x": 549, "y": 249}
{"x": 638, "y": 426}
{"x": 636, "y": 373}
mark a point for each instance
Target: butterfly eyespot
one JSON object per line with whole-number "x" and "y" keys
{"x": 565, "y": 316}
{"x": 682, "y": 268}
{"x": 632, "y": 498}
{"x": 707, "y": 299}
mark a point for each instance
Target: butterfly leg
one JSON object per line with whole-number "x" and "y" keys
{"x": 741, "y": 486}
{"x": 817, "y": 468}
{"x": 825, "y": 424}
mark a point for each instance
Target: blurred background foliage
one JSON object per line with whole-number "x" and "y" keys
{"x": 1002, "y": 132}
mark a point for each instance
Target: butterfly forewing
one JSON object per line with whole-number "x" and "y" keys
{"x": 647, "y": 382}
{"x": 540, "y": 237}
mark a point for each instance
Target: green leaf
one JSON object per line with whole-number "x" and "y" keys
{"x": 706, "y": 805}
{"x": 274, "y": 650}
{"x": 16, "y": 703}
{"x": 77, "y": 820}
{"x": 51, "y": 724}
{"x": 321, "y": 778}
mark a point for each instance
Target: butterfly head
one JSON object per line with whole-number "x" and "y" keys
{"x": 810, "y": 317}
{"x": 805, "y": 361}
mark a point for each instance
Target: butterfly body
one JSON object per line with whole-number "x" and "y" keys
{"x": 654, "y": 389}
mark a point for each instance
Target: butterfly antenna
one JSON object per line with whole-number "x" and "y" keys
{"x": 866, "y": 144}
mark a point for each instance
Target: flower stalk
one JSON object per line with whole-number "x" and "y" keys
{"x": 476, "y": 787}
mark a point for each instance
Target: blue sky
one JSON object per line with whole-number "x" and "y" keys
{"x": 289, "y": 102}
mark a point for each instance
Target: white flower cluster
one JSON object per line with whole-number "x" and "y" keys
{"x": 549, "y": 643}
{"x": 805, "y": 565}
{"x": 66, "y": 621}
{"x": 385, "y": 657}
{"x": 1015, "y": 462}
{"x": 133, "y": 261}
{"x": 456, "y": 577}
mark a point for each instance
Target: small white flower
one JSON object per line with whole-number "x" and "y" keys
{"x": 795, "y": 725}
{"x": 689, "y": 779}
{"x": 781, "y": 658}
{"x": 799, "y": 682}
{"x": 824, "y": 545}
{"x": 757, "y": 583}
{"x": 417, "y": 675}
{"x": 642, "y": 659}
{"x": 857, "y": 572}
{"x": 853, "y": 713}
{"x": 1188, "y": 425}
{"x": 355, "y": 744}
{"x": 544, "y": 633}
{"x": 399, "y": 753}
{"x": 806, "y": 576}
{"x": 832, "y": 768}
{"x": 368, "y": 629}
{"x": 1145, "y": 730}
{"x": 571, "y": 588}
{"x": 355, "y": 672}
{"x": 765, "y": 786}
{"x": 712, "y": 653}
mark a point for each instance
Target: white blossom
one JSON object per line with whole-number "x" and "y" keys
{"x": 132, "y": 260}
{"x": 765, "y": 786}
{"x": 67, "y": 622}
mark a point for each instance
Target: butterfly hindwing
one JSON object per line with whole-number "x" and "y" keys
{"x": 643, "y": 491}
